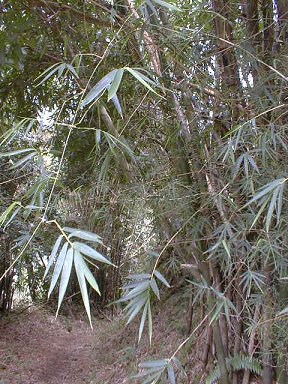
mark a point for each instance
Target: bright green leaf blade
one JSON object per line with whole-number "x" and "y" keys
{"x": 8, "y": 211}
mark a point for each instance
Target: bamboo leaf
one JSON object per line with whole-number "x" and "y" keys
{"x": 171, "y": 374}
{"x": 169, "y": 6}
{"x": 65, "y": 276}
{"x": 52, "y": 71}
{"x": 8, "y": 211}
{"x": 85, "y": 235}
{"x": 23, "y": 160}
{"x": 53, "y": 254}
{"x": 154, "y": 287}
{"x": 141, "y": 78}
{"x": 265, "y": 190}
{"x": 88, "y": 251}
{"x": 58, "y": 268}
{"x": 271, "y": 208}
{"x": 117, "y": 105}
{"x": 61, "y": 70}
{"x": 99, "y": 88}
{"x": 142, "y": 322}
{"x": 161, "y": 278}
{"x": 150, "y": 325}
{"x": 139, "y": 276}
{"x": 283, "y": 312}
{"x": 115, "y": 83}
{"x": 72, "y": 70}
{"x": 17, "y": 152}
{"x": 217, "y": 312}
{"x": 82, "y": 283}
{"x": 136, "y": 309}
{"x": 87, "y": 273}
{"x": 153, "y": 364}
{"x": 279, "y": 202}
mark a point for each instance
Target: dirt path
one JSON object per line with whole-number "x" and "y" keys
{"x": 35, "y": 348}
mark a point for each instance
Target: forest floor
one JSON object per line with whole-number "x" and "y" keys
{"x": 36, "y": 348}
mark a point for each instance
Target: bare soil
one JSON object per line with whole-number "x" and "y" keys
{"x": 36, "y": 348}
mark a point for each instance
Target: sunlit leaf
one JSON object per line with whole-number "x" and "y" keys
{"x": 65, "y": 275}
{"x": 142, "y": 322}
{"x": 9, "y": 212}
{"x": 84, "y": 235}
{"x": 99, "y": 88}
{"x": 88, "y": 251}
{"x": 171, "y": 374}
{"x": 58, "y": 268}
{"x": 87, "y": 273}
{"x": 53, "y": 255}
{"x": 82, "y": 283}
{"x": 115, "y": 83}
{"x": 155, "y": 288}
{"x": 17, "y": 152}
{"x": 169, "y": 6}
{"x": 161, "y": 278}
{"x": 141, "y": 78}
{"x": 23, "y": 160}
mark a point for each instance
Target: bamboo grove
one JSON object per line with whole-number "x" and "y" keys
{"x": 156, "y": 132}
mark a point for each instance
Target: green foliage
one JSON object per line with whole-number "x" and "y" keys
{"x": 196, "y": 170}
{"x": 74, "y": 252}
{"x": 154, "y": 370}
{"x": 138, "y": 294}
{"x": 235, "y": 363}
{"x": 270, "y": 194}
